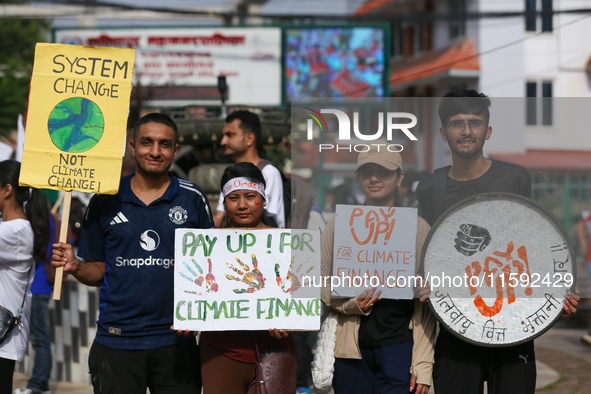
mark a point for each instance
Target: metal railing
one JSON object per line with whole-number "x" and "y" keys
{"x": 565, "y": 197}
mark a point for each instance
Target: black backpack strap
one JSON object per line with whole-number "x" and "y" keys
{"x": 263, "y": 163}
{"x": 439, "y": 182}
{"x": 286, "y": 210}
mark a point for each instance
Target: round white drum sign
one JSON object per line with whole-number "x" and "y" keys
{"x": 499, "y": 266}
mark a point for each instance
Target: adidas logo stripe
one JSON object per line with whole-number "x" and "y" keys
{"x": 119, "y": 218}
{"x": 190, "y": 186}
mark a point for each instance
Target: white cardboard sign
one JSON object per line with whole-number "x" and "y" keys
{"x": 374, "y": 246}
{"x": 246, "y": 279}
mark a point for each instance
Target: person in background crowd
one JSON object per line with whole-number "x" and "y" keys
{"x": 382, "y": 346}
{"x": 407, "y": 192}
{"x": 316, "y": 220}
{"x": 24, "y": 234}
{"x": 406, "y": 195}
{"x": 583, "y": 235}
{"x": 461, "y": 367}
{"x": 41, "y": 289}
{"x": 228, "y": 357}
{"x": 242, "y": 134}
{"x": 127, "y": 240}
{"x": 305, "y": 341}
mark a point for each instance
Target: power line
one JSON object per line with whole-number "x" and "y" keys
{"x": 520, "y": 78}
{"x": 500, "y": 47}
{"x": 379, "y": 17}
{"x": 387, "y": 17}
{"x": 124, "y": 7}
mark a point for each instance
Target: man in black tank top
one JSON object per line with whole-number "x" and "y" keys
{"x": 461, "y": 367}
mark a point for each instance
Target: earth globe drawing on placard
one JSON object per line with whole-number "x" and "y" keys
{"x": 76, "y": 125}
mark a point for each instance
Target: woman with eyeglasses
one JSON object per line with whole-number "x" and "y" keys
{"x": 24, "y": 235}
{"x": 382, "y": 345}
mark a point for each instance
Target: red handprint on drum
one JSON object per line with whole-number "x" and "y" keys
{"x": 501, "y": 275}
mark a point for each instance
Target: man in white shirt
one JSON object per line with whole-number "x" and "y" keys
{"x": 242, "y": 132}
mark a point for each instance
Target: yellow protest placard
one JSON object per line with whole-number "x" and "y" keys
{"x": 77, "y": 118}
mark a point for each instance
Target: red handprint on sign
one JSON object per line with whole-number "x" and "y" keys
{"x": 211, "y": 284}
{"x": 292, "y": 277}
{"x": 254, "y": 279}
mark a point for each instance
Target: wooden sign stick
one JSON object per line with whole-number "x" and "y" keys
{"x": 59, "y": 271}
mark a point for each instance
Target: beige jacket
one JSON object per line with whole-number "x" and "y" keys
{"x": 422, "y": 322}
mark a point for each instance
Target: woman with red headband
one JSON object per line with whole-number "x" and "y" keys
{"x": 228, "y": 357}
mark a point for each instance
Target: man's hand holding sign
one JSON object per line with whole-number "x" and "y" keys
{"x": 76, "y": 124}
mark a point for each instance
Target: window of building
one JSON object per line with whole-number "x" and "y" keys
{"x": 530, "y": 16}
{"x": 547, "y": 15}
{"x": 544, "y": 8}
{"x": 427, "y": 27}
{"x": 408, "y": 41}
{"x": 531, "y": 92}
{"x": 457, "y": 23}
{"x": 538, "y": 103}
{"x": 396, "y": 39}
{"x": 420, "y": 38}
{"x": 547, "y": 103}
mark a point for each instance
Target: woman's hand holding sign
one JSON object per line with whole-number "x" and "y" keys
{"x": 422, "y": 290}
{"x": 278, "y": 334}
{"x": 367, "y": 298}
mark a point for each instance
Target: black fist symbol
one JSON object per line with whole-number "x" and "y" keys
{"x": 471, "y": 239}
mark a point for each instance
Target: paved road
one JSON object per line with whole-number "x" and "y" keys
{"x": 20, "y": 380}
{"x": 562, "y": 350}
{"x": 564, "y": 366}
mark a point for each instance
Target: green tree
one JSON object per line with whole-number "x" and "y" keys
{"x": 17, "y": 52}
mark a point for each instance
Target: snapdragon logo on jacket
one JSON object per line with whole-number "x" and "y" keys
{"x": 149, "y": 241}
{"x": 392, "y": 125}
{"x": 143, "y": 262}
